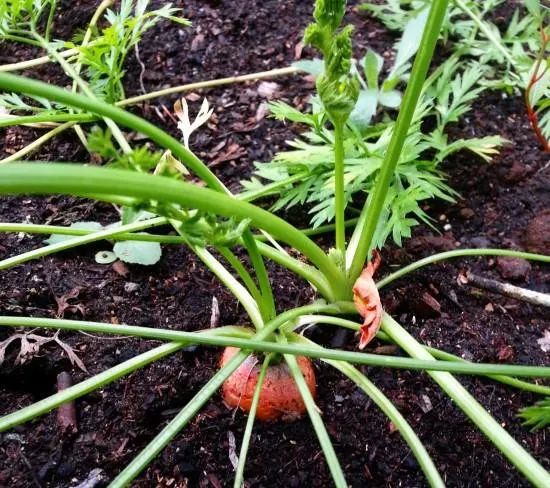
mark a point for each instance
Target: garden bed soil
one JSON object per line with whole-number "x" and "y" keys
{"x": 115, "y": 423}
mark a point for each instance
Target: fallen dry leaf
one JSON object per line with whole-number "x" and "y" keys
{"x": 30, "y": 347}
{"x": 234, "y": 151}
{"x": 367, "y": 302}
{"x": 63, "y": 304}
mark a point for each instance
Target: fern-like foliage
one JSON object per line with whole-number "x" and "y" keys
{"x": 417, "y": 177}
{"x": 24, "y": 15}
{"x": 104, "y": 57}
{"x": 537, "y": 416}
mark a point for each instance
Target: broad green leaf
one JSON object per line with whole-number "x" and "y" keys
{"x": 314, "y": 67}
{"x": 131, "y": 215}
{"x": 138, "y": 252}
{"x": 57, "y": 238}
{"x": 365, "y": 108}
{"x": 390, "y": 99}
{"x": 373, "y": 64}
{"x": 410, "y": 41}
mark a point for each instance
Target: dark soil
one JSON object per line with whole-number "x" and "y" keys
{"x": 115, "y": 423}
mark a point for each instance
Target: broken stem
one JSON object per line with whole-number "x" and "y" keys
{"x": 507, "y": 290}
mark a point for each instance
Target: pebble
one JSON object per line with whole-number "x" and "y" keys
{"x": 480, "y": 242}
{"x": 513, "y": 268}
{"x": 130, "y": 287}
{"x": 537, "y": 234}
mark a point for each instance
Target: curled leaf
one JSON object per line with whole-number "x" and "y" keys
{"x": 367, "y": 302}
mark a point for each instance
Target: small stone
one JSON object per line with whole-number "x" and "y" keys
{"x": 338, "y": 398}
{"x": 513, "y": 268}
{"x": 268, "y": 89}
{"x": 130, "y": 287}
{"x": 425, "y": 403}
{"x": 537, "y": 234}
{"x": 432, "y": 243}
{"x": 120, "y": 268}
{"x": 489, "y": 308}
{"x": 466, "y": 213}
{"x": 480, "y": 242}
{"x": 425, "y": 306}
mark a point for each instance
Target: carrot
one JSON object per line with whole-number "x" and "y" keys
{"x": 279, "y": 396}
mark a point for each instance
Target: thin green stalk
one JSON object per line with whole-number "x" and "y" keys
{"x": 486, "y": 31}
{"x": 239, "y": 476}
{"x": 31, "y": 63}
{"x": 389, "y": 410}
{"x": 260, "y": 345}
{"x": 72, "y": 72}
{"x": 457, "y": 254}
{"x": 19, "y": 84}
{"x": 80, "y": 181}
{"x": 144, "y": 458}
{"x": 191, "y": 409}
{"x": 242, "y": 272}
{"x": 101, "y": 379}
{"x": 79, "y": 241}
{"x": 49, "y": 22}
{"x": 33, "y": 146}
{"x": 104, "y": 5}
{"x": 437, "y": 353}
{"x": 517, "y": 455}
{"x": 271, "y": 188}
{"x": 361, "y": 241}
{"x": 506, "y": 380}
{"x": 238, "y": 290}
{"x": 322, "y": 229}
{"x": 406, "y": 431}
{"x": 69, "y": 231}
{"x": 261, "y": 274}
{"x": 318, "y": 424}
{"x": 306, "y": 271}
{"x": 9, "y": 120}
{"x": 340, "y": 191}
{"x": 15, "y": 38}
{"x": 95, "y": 382}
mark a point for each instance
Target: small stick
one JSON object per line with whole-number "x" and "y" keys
{"x": 66, "y": 413}
{"x": 507, "y": 290}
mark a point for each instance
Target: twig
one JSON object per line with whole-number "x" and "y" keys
{"x": 209, "y": 84}
{"x": 31, "y": 63}
{"x": 66, "y": 413}
{"x": 33, "y": 146}
{"x": 507, "y": 290}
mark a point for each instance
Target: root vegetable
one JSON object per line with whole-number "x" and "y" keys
{"x": 279, "y": 397}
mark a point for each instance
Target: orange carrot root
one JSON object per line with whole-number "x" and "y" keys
{"x": 279, "y": 397}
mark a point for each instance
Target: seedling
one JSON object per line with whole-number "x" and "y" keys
{"x": 207, "y": 218}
